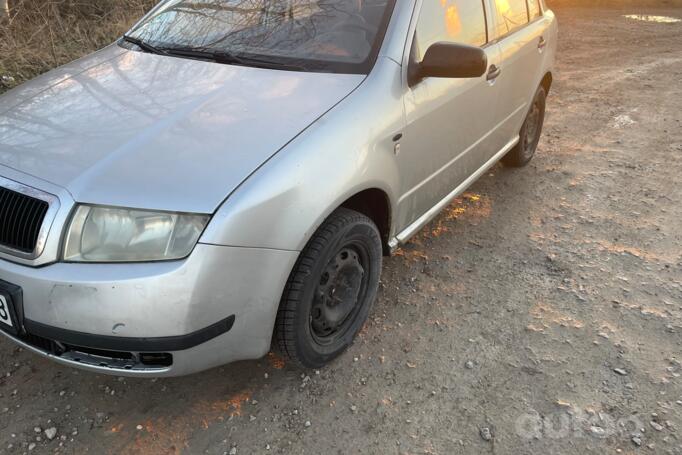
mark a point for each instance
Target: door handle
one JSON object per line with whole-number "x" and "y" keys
{"x": 543, "y": 43}
{"x": 494, "y": 72}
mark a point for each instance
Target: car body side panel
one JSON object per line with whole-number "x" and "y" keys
{"x": 348, "y": 150}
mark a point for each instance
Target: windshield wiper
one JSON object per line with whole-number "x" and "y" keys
{"x": 144, "y": 45}
{"x": 215, "y": 56}
{"x": 229, "y": 58}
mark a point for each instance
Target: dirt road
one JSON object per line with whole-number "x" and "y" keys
{"x": 541, "y": 313}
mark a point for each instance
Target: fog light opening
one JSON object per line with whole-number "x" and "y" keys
{"x": 156, "y": 359}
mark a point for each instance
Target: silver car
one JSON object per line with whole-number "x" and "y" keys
{"x": 228, "y": 175}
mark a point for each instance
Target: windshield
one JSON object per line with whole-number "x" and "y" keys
{"x": 313, "y": 35}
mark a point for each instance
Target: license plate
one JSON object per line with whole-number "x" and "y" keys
{"x": 5, "y": 312}
{"x": 10, "y": 308}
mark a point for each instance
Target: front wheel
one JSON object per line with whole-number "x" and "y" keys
{"x": 530, "y": 133}
{"x": 331, "y": 290}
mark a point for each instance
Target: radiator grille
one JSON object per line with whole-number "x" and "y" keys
{"x": 21, "y": 218}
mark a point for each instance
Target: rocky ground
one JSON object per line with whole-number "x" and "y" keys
{"x": 541, "y": 313}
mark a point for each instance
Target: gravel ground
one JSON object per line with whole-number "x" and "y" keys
{"x": 540, "y": 313}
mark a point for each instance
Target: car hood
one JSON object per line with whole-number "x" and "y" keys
{"x": 138, "y": 130}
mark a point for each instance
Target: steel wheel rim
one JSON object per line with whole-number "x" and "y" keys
{"x": 340, "y": 291}
{"x": 532, "y": 129}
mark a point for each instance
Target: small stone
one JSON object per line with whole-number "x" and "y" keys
{"x": 6, "y": 80}
{"x": 354, "y": 408}
{"x": 636, "y": 440}
{"x": 469, "y": 365}
{"x": 486, "y": 434}
{"x": 139, "y": 427}
{"x": 307, "y": 423}
{"x": 32, "y": 446}
{"x": 233, "y": 451}
{"x": 620, "y": 371}
{"x": 597, "y": 431}
{"x": 37, "y": 430}
{"x": 50, "y": 433}
{"x": 656, "y": 426}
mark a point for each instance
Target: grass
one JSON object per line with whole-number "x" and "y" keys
{"x": 42, "y": 34}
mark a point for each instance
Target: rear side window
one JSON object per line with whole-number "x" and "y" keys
{"x": 454, "y": 21}
{"x": 511, "y": 15}
{"x": 534, "y": 9}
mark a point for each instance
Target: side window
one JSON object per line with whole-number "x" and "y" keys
{"x": 534, "y": 9}
{"x": 455, "y": 21}
{"x": 511, "y": 15}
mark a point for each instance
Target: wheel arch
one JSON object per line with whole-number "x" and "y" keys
{"x": 547, "y": 81}
{"x": 375, "y": 204}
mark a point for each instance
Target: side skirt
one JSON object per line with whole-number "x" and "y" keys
{"x": 420, "y": 222}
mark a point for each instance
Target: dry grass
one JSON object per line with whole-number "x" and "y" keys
{"x": 42, "y": 34}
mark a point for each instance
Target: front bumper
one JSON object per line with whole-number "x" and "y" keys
{"x": 217, "y": 306}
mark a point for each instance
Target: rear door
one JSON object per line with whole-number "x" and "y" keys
{"x": 447, "y": 138}
{"x": 520, "y": 31}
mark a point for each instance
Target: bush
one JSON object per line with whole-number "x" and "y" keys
{"x": 42, "y": 34}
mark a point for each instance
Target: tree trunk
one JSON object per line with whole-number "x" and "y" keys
{"x": 4, "y": 8}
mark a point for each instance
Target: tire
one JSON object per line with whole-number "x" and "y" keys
{"x": 530, "y": 133}
{"x": 330, "y": 291}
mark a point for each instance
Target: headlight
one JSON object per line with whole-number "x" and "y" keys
{"x": 104, "y": 234}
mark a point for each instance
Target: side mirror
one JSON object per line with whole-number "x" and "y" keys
{"x": 450, "y": 60}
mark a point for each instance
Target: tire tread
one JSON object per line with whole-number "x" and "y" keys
{"x": 285, "y": 324}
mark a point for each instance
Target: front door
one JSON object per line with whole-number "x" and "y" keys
{"x": 448, "y": 120}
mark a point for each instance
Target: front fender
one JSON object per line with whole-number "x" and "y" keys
{"x": 348, "y": 150}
